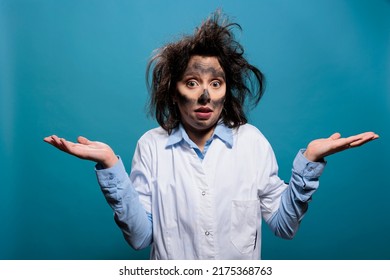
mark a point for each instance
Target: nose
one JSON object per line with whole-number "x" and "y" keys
{"x": 204, "y": 98}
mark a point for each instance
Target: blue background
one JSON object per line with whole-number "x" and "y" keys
{"x": 78, "y": 67}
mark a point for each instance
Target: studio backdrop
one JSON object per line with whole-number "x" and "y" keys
{"x": 77, "y": 67}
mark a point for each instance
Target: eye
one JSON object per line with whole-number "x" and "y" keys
{"x": 216, "y": 84}
{"x": 192, "y": 84}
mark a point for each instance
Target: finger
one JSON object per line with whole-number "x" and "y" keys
{"x": 64, "y": 145}
{"x": 341, "y": 144}
{"x": 364, "y": 139}
{"x": 47, "y": 139}
{"x": 68, "y": 146}
{"x": 50, "y": 141}
{"x": 370, "y": 135}
{"x": 55, "y": 141}
{"x": 83, "y": 140}
{"x": 364, "y": 135}
{"x": 360, "y": 139}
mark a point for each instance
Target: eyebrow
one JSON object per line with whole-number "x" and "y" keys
{"x": 197, "y": 68}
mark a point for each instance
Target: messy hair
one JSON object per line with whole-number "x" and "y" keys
{"x": 214, "y": 37}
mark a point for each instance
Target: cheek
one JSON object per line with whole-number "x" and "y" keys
{"x": 185, "y": 100}
{"x": 218, "y": 103}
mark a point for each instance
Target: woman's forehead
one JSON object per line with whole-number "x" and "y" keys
{"x": 204, "y": 65}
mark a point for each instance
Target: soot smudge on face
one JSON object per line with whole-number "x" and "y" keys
{"x": 185, "y": 100}
{"x": 204, "y": 98}
{"x": 199, "y": 68}
{"x": 218, "y": 102}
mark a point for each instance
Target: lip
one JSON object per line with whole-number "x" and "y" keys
{"x": 203, "y": 110}
{"x": 203, "y": 113}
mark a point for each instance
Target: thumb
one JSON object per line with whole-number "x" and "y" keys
{"x": 83, "y": 140}
{"x": 335, "y": 136}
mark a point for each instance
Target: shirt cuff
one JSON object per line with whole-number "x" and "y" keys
{"x": 111, "y": 176}
{"x": 306, "y": 168}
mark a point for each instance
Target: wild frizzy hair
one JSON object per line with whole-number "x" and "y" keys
{"x": 214, "y": 37}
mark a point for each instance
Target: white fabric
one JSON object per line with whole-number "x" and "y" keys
{"x": 208, "y": 209}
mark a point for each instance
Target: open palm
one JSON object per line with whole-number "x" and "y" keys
{"x": 320, "y": 148}
{"x": 85, "y": 149}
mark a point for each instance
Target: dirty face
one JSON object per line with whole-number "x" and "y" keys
{"x": 201, "y": 94}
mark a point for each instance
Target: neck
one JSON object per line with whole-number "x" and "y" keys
{"x": 200, "y": 137}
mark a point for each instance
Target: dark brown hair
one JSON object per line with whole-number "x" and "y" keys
{"x": 214, "y": 37}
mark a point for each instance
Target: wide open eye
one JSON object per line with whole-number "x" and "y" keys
{"x": 216, "y": 84}
{"x": 192, "y": 84}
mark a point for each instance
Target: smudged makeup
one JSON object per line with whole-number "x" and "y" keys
{"x": 196, "y": 70}
{"x": 202, "y": 100}
{"x": 201, "y": 94}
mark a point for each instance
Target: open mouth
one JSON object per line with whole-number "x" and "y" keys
{"x": 203, "y": 113}
{"x": 203, "y": 110}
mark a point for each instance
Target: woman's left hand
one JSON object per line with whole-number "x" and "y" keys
{"x": 320, "y": 148}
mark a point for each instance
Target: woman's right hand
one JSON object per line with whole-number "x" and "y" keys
{"x": 85, "y": 149}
